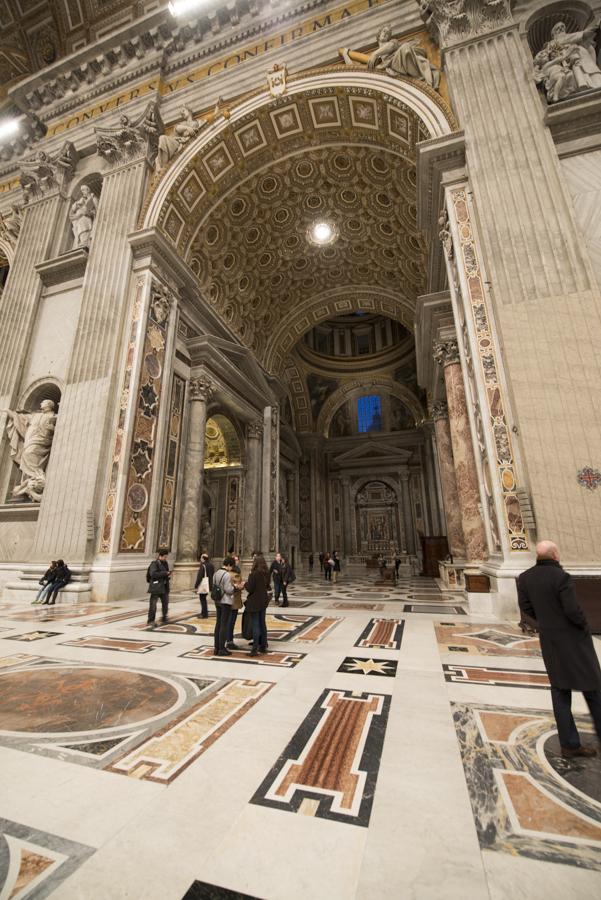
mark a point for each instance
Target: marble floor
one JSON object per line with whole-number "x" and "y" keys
{"x": 390, "y": 745}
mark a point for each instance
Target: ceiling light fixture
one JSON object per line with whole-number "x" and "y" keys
{"x": 183, "y": 7}
{"x": 322, "y": 233}
{"x": 8, "y": 127}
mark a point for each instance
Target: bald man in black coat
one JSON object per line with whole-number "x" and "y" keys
{"x": 546, "y": 593}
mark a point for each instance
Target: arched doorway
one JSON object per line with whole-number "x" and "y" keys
{"x": 221, "y": 521}
{"x": 241, "y": 205}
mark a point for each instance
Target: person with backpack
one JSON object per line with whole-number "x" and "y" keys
{"x": 62, "y": 577}
{"x": 158, "y": 576}
{"x": 222, "y": 593}
{"x": 46, "y": 581}
{"x": 204, "y": 583}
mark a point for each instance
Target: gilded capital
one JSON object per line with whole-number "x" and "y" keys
{"x": 201, "y": 388}
{"x": 452, "y": 21}
{"x": 446, "y": 353}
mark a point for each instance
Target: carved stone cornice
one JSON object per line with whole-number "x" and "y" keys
{"x": 446, "y": 353}
{"x": 440, "y": 410}
{"x": 452, "y": 22}
{"x": 254, "y": 430}
{"x": 130, "y": 141}
{"x": 201, "y": 388}
{"x": 43, "y": 173}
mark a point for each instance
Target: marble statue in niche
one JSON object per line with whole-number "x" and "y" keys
{"x": 397, "y": 58}
{"x": 82, "y": 216}
{"x": 171, "y": 144}
{"x": 567, "y": 63}
{"x": 30, "y": 438}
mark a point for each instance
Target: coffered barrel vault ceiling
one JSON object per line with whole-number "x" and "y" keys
{"x": 240, "y": 211}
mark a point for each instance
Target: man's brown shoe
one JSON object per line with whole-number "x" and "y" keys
{"x": 569, "y": 752}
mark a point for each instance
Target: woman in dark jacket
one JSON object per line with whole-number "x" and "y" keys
{"x": 62, "y": 578}
{"x": 256, "y": 603}
{"x": 46, "y": 581}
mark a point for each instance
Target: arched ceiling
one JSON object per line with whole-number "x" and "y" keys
{"x": 239, "y": 210}
{"x": 253, "y": 256}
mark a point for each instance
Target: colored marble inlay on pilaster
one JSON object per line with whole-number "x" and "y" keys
{"x": 526, "y": 799}
{"x": 142, "y": 454}
{"x": 34, "y": 863}
{"x": 385, "y": 634}
{"x": 171, "y": 463}
{"x": 489, "y": 363}
{"x": 111, "y": 496}
{"x": 330, "y": 767}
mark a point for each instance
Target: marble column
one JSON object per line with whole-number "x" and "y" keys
{"x": 270, "y": 494}
{"x": 190, "y": 522}
{"x": 408, "y": 524}
{"x": 345, "y": 485}
{"x": 252, "y": 497}
{"x": 446, "y": 353}
{"x": 446, "y": 465}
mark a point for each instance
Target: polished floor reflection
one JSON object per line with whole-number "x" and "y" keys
{"x": 390, "y": 744}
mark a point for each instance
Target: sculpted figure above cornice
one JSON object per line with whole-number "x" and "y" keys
{"x": 453, "y": 21}
{"x": 131, "y": 140}
{"x": 42, "y": 172}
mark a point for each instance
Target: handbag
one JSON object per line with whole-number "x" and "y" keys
{"x": 247, "y": 626}
{"x": 203, "y": 587}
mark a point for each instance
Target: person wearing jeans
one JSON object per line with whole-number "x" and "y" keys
{"x": 224, "y": 586}
{"x": 46, "y": 582}
{"x": 257, "y": 602}
{"x": 61, "y": 579}
{"x": 546, "y": 594}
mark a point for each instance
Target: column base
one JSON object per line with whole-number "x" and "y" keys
{"x": 184, "y": 576}
{"x": 503, "y": 574}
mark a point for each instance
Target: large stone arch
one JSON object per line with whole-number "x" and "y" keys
{"x": 210, "y": 183}
{"x": 352, "y": 389}
{"x": 327, "y": 305}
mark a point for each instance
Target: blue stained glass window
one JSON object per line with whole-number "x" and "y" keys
{"x": 369, "y": 413}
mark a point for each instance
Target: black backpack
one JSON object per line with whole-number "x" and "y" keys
{"x": 216, "y": 592}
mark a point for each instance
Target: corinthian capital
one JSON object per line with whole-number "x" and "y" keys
{"x": 452, "y": 21}
{"x": 446, "y": 353}
{"x": 131, "y": 140}
{"x": 254, "y": 429}
{"x": 440, "y": 410}
{"x": 43, "y": 173}
{"x": 201, "y": 388}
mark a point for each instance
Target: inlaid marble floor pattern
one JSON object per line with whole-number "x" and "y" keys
{"x": 391, "y": 744}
